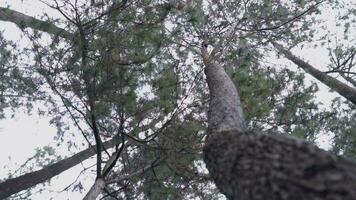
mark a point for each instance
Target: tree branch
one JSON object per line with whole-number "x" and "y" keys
{"x": 15, "y": 185}
{"x": 136, "y": 173}
{"x": 24, "y": 21}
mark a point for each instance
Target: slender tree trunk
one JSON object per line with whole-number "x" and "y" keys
{"x": 225, "y": 109}
{"x": 100, "y": 183}
{"x": 343, "y": 89}
{"x": 15, "y": 185}
{"x": 95, "y": 190}
{"x": 251, "y": 166}
{"x": 225, "y": 112}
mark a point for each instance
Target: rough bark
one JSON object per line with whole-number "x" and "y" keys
{"x": 25, "y": 21}
{"x": 225, "y": 109}
{"x": 249, "y": 166}
{"x": 343, "y": 89}
{"x": 95, "y": 190}
{"x": 15, "y": 185}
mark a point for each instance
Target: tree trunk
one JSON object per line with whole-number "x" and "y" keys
{"x": 25, "y": 21}
{"x": 95, "y": 190}
{"x": 250, "y": 166}
{"x": 15, "y": 185}
{"x": 343, "y": 89}
{"x": 225, "y": 109}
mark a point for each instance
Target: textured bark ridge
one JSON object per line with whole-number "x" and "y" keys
{"x": 225, "y": 109}
{"x": 250, "y": 166}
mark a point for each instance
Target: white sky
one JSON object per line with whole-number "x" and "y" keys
{"x": 29, "y": 132}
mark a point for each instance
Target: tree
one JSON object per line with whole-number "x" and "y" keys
{"x": 248, "y": 165}
{"x": 109, "y": 51}
{"x": 108, "y": 78}
{"x": 342, "y": 88}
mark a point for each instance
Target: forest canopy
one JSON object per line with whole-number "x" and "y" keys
{"x": 130, "y": 86}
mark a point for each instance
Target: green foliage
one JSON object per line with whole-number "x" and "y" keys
{"x": 279, "y": 100}
{"x": 166, "y": 88}
{"x": 45, "y": 156}
{"x": 341, "y": 123}
{"x": 17, "y": 88}
{"x": 138, "y": 70}
{"x": 181, "y": 144}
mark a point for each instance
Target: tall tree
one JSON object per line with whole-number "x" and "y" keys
{"x": 249, "y": 165}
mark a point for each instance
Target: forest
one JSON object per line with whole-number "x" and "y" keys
{"x": 190, "y": 99}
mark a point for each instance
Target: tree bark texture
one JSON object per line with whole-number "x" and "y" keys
{"x": 249, "y": 166}
{"x": 343, "y": 89}
{"x": 225, "y": 109}
{"x": 15, "y": 185}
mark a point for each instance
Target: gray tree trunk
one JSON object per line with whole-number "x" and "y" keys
{"x": 95, "y": 190}
{"x": 15, "y": 185}
{"x": 250, "y": 166}
{"x": 343, "y": 89}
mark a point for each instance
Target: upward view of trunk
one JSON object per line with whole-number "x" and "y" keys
{"x": 343, "y": 89}
{"x": 224, "y": 113}
{"x": 245, "y": 165}
{"x": 26, "y": 181}
{"x": 252, "y": 166}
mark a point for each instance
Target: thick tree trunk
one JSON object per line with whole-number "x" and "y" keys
{"x": 15, "y": 185}
{"x": 343, "y": 89}
{"x": 250, "y": 166}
